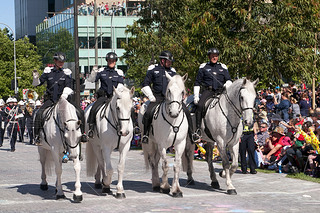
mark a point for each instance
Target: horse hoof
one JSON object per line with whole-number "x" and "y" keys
{"x": 215, "y": 185}
{"x": 98, "y": 185}
{"x": 44, "y": 187}
{"x": 106, "y": 191}
{"x": 58, "y": 197}
{"x": 77, "y": 198}
{"x": 156, "y": 189}
{"x": 165, "y": 191}
{"x": 190, "y": 182}
{"x": 231, "y": 192}
{"x": 177, "y": 195}
{"x": 120, "y": 195}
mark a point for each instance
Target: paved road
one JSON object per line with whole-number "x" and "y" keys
{"x": 20, "y": 192}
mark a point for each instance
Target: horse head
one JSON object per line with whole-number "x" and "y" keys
{"x": 247, "y": 95}
{"x": 175, "y": 94}
{"x": 122, "y": 103}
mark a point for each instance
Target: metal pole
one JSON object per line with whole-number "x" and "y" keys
{"x": 76, "y": 53}
{"x": 96, "y": 40}
{"x": 14, "y": 58}
{"x": 314, "y": 79}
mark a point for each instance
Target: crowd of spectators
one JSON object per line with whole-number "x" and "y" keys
{"x": 104, "y": 9}
{"x": 287, "y": 129}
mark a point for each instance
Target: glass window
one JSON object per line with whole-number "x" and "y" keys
{"x": 83, "y": 42}
{"x": 106, "y": 42}
{"x": 119, "y": 41}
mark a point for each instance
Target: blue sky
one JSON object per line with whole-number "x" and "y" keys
{"x": 7, "y": 14}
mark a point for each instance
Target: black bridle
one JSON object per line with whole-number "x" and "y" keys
{"x": 62, "y": 131}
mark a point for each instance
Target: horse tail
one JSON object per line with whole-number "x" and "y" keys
{"x": 151, "y": 155}
{"x": 187, "y": 157}
{"x": 46, "y": 159}
{"x": 146, "y": 156}
{"x": 91, "y": 160}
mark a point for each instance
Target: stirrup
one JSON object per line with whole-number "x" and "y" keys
{"x": 196, "y": 138}
{"x": 145, "y": 139}
{"x": 90, "y": 133}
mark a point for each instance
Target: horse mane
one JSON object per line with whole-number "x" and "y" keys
{"x": 176, "y": 79}
{"x": 64, "y": 112}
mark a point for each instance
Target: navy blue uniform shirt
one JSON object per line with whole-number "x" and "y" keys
{"x": 157, "y": 77}
{"x": 57, "y": 79}
{"x": 109, "y": 78}
{"x": 212, "y": 75}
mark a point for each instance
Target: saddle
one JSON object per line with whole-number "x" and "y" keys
{"x": 210, "y": 103}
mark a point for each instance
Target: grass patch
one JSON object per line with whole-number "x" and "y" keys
{"x": 302, "y": 176}
{"x": 265, "y": 171}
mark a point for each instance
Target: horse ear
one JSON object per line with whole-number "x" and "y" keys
{"x": 168, "y": 76}
{"x": 244, "y": 81}
{"x": 185, "y": 77}
{"x": 255, "y": 83}
{"x": 132, "y": 90}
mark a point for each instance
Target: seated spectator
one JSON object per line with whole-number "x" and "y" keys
{"x": 260, "y": 139}
{"x": 276, "y": 121}
{"x": 275, "y": 143}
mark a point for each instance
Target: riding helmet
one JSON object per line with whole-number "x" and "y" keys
{"x": 213, "y": 51}
{"x": 111, "y": 55}
{"x": 166, "y": 55}
{"x": 60, "y": 56}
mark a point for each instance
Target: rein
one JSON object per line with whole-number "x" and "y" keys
{"x": 174, "y": 128}
{"x": 116, "y": 121}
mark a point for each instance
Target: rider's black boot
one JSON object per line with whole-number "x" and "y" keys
{"x": 84, "y": 138}
{"x": 145, "y": 139}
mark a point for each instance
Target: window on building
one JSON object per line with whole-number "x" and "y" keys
{"x": 83, "y": 42}
{"x": 106, "y": 42}
{"x": 119, "y": 42}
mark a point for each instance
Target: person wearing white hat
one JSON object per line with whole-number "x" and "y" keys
{"x": 12, "y": 111}
{"x": 2, "y": 103}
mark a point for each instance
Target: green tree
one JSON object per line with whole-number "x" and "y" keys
{"x": 256, "y": 39}
{"x": 27, "y": 60}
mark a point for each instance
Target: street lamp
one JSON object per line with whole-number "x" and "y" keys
{"x": 14, "y": 58}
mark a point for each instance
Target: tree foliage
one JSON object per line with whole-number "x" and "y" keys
{"x": 27, "y": 60}
{"x": 269, "y": 41}
{"x": 50, "y": 42}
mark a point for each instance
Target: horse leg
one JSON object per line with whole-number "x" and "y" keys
{"x": 234, "y": 151}
{"x": 58, "y": 168}
{"x": 164, "y": 187}
{"x": 97, "y": 176}
{"x": 213, "y": 177}
{"x": 123, "y": 153}
{"x": 152, "y": 158}
{"x": 109, "y": 171}
{"x": 43, "y": 157}
{"x": 187, "y": 161}
{"x": 176, "y": 191}
{"x": 77, "y": 195}
{"x": 226, "y": 171}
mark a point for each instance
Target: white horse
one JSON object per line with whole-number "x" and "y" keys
{"x": 61, "y": 132}
{"x": 170, "y": 127}
{"x": 224, "y": 122}
{"x": 114, "y": 129}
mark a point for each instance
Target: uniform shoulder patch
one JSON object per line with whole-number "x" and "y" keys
{"x": 224, "y": 66}
{"x": 120, "y": 72}
{"x": 67, "y": 71}
{"x": 47, "y": 69}
{"x": 101, "y": 69}
{"x": 173, "y": 69}
{"x": 202, "y": 65}
{"x": 151, "y": 66}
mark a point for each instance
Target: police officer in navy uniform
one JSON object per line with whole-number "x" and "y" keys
{"x": 156, "y": 76}
{"x": 59, "y": 84}
{"x": 2, "y": 115}
{"x": 212, "y": 76}
{"x": 109, "y": 77}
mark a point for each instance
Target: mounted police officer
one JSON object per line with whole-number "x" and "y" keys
{"x": 212, "y": 76}
{"x": 156, "y": 76}
{"x": 59, "y": 84}
{"x": 109, "y": 77}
